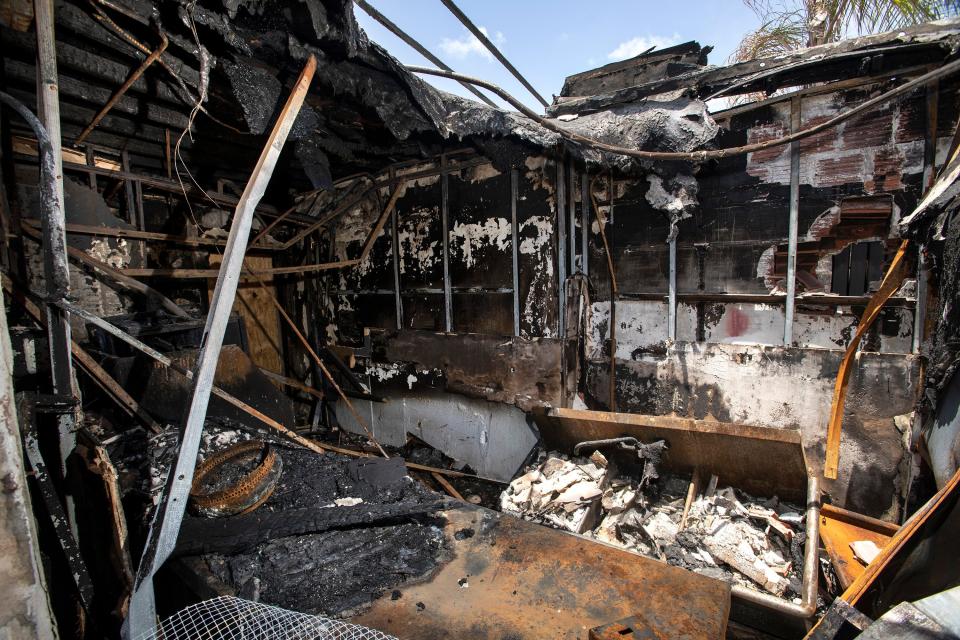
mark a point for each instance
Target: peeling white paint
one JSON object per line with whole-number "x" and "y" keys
{"x": 538, "y": 244}
{"x": 480, "y": 173}
{"x": 413, "y": 236}
{"x": 537, "y": 176}
{"x": 493, "y": 232}
{"x": 383, "y": 372}
{"x": 411, "y": 379}
{"x": 531, "y": 245}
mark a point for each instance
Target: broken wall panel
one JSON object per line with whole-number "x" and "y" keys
{"x": 422, "y": 311}
{"x": 494, "y": 439}
{"x": 488, "y": 313}
{"x": 742, "y": 202}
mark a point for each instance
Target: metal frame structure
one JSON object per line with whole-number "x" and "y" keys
{"x": 794, "y": 223}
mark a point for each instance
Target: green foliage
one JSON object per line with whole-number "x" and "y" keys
{"x": 787, "y": 25}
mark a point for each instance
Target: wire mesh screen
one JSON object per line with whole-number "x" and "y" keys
{"x": 229, "y": 618}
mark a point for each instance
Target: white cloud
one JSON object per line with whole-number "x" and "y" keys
{"x": 469, "y": 44}
{"x": 636, "y": 46}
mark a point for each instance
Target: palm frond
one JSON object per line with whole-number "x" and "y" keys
{"x": 784, "y": 33}
{"x": 792, "y": 24}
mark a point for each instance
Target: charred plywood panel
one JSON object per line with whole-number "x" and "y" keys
{"x": 516, "y": 371}
{"x": 489, "y": 313}
{"x": 783, "y": 388}
{"x": 420, "y": 311}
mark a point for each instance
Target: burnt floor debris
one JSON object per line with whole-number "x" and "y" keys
{"x": 295, "y": 343}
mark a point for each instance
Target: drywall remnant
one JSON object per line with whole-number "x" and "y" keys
{"x": 676, "y": 196}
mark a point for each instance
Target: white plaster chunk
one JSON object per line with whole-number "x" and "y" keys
{"x": 865, "y": 550}
{"x": 677, "y": 197}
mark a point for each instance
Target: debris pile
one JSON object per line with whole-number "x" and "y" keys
{"x": 723, "y": 533}
{"x": 563, "y": 494}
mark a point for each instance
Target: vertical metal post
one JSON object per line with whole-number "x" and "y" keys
{"x": 794, "y": 222}
{"x": 929, "y": 175}
{"x": 129, "y": 197}
{"x": 930, "y": 139}
{"x": 395, "y": 240}
{"x": 141, "y": 222}
{"x": 169, "y": 513}
{"x": 561, "y": 249}
{"x": 445, "y": 233}
{"x": 395, "y": 244}
{"x": 515, "y": 248}
{"x": 585, "y": 223}
{"x": 56, "y": 271}
{"x": 572, "y": 204}
{"x": 91, "y": 161}
{"x": 672, "y": 298}
{"x": 920, "y": 307}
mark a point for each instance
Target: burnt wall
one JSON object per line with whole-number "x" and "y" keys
{"x": 784, "y": 388}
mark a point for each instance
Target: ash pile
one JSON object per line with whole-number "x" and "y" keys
{"x": 723, "y": 533}
{"x": 332, "y": 534}
{"x": 335, "y": 534}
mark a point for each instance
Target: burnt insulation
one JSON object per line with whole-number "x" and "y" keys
{"x": 360, "y": 551}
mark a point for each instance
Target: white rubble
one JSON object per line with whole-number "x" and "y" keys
{"x": 727, "y": 534}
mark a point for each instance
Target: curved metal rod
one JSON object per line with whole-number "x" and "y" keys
{"x": 700, "y": 156}
{"x": 626, "y": 442}
{"x": 492, "y": 48}
{"x": 55, "y": 256}
{"x": 811, "y": 569}
{"x": 416, "y": 46}
{"x": 150, "y": 59}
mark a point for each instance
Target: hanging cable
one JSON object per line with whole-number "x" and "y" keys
{"x": 482, "y": 37}
{"x": 419, "y": 48}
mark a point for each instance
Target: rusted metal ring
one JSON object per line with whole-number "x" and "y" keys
{"x": 247, "y": 493}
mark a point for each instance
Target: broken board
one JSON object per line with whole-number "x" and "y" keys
{"x": 508, "y": 578}
{"x": 254, "y": 305}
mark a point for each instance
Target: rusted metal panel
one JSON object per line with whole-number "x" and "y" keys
{"x": 508, "y": 578}
{"x": 839, "y": 527}
{"x": 512, "y": 370}
{"x": 759, "y": 460}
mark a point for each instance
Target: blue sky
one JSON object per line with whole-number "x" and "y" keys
{"x": 548, "y": 41}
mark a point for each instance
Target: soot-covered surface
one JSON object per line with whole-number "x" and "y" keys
{"x": 387, "y": 536}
